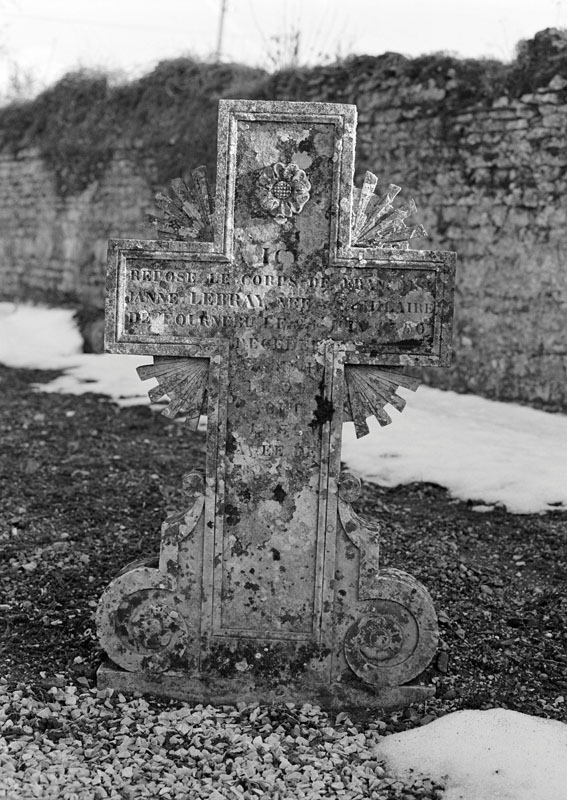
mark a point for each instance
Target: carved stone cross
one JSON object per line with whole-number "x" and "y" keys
{"x": 279, "y": 315}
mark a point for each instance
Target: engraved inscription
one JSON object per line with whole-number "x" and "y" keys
{"x": 265, "y": 306}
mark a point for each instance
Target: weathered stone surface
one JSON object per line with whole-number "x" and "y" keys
{"x": 279, "y": 315}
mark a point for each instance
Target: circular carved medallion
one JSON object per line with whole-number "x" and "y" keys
{"x": 396, "y": 636}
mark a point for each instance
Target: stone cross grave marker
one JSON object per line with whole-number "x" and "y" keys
{"x": 279, "y": 314}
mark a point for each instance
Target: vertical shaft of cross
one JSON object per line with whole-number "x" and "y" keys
{"x": 274, "y": 439}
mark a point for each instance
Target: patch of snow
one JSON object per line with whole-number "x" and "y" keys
{"x": 479, "y": 449}
{"x": 35, "y": 337}
{"x": 486, "y": 755}
{"x": 112, "y": 375}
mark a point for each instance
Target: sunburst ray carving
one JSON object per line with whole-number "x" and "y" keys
{"x": 369, "y": 389}
{"x": 189, "y": 213}
{"x": 183, "y": 381}
{"x": 377, "y": 222}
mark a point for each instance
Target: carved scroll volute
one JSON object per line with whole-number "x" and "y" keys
{"x": 395, "y": 637}
{"x": 143, "y": 620}
{"x": 392, "y": 636}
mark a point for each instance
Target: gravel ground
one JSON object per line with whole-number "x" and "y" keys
{"x": 79, "y": 745}
{"x": 85, "y": 486}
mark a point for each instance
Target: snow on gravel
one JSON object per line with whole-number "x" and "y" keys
{"x": 480, "y": 450}
{"x": 94, "y": 744}
{"x": 485, "y": 755}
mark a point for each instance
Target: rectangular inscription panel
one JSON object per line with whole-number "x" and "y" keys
{"x": 172, "y": 299}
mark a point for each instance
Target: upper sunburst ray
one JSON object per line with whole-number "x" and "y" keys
{"x": 377, "y": 222}
{"x": 189, "y": 213}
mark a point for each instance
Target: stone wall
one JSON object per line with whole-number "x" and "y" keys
{"x": 481, "y": 148}
{"x": 53, "y": 247}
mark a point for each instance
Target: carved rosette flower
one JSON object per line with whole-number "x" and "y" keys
{"x": 283, "y": 190}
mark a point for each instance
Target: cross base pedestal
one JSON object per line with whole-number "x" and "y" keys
{"x": 335, "y": 696}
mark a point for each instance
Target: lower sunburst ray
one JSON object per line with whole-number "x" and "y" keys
{"x": 183, "y": 381}
{"x": 369, "y": 389}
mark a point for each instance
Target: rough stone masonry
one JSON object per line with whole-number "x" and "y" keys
{"x": 281, "y": 313}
